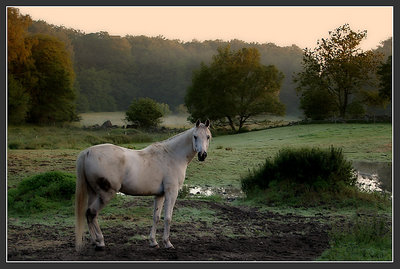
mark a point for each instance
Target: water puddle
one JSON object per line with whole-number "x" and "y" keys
{"x": 229, "y": 193}
{"x": 374, "y": 176}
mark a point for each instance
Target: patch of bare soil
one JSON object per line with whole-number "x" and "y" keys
{"x": 238, "y": 234}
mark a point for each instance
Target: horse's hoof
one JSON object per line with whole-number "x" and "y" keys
{"x": 155, "y": 246}
{"x": 169, "y": 246}
{"x": 99, "y": 248}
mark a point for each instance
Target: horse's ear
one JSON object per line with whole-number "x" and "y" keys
{"x": 197, "y": 123}
{"x": 207, "y": 123}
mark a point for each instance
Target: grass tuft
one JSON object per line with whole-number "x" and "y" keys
{"x": 42, "y": 192}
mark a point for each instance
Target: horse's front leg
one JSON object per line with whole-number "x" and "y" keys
{"x": 170, "y": 199}
{"x": 158, "y": 204}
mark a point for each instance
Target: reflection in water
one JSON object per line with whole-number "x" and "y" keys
{"x": 368, "y": 182}
{"x": 374, "y": 176}
{"x": 201, "y": 191}
{"x": 208, "y": 191}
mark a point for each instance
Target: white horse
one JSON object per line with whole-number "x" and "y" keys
{"x": 159, "y": 170}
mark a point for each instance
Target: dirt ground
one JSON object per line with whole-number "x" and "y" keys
{"x": 238, "y": 233}
{"x": 253, "y": 236}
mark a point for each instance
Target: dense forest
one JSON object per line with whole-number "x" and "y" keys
{"x": 111, "y": 71}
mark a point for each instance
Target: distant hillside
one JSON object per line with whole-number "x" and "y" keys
{"x": 111, "y": 70}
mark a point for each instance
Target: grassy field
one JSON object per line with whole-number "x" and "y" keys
{"x": 173, "y": 120}
{"x": 229, "y": 158}
{"x": 33, "y": 150}
{"x": 232, "y": 156}
{"x": 118, "y": 118}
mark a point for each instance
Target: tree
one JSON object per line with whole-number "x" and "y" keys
{"x": 53, "y": 96}
{"x": 235, "y": 87}
{"x": 19, "y": 60}
{"x": 373, "y": 100}
{"x": 18, "y": 47}
{"x": 145, "y": 112}
{"x": 40, "y": 75}
{"x": 317, "y": 104}
{"x": 18, "y": 101}
{"x": 385, "y": 78}
{"x": 95, "y": 85}
{"x": 339, "y": 66}
{"x": 315, "y": 99}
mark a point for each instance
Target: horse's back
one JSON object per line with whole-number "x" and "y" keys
{"x": 104, "y": 162}
{"x": 134, "y": 172}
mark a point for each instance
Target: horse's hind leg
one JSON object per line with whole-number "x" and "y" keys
{"x": 96, "y": 203}
{"x": 158, "y": 204}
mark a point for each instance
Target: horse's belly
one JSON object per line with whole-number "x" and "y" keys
{"x": 142, "y": 185}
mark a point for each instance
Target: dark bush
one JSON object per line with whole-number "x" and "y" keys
{"x": 42, "y": 192}
{"x": 145, "y": 112}
{"x": 14, "y": 145}
{"x": 315, "y": 168}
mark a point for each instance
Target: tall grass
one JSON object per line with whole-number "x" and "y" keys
{"x": 363, "y": 239}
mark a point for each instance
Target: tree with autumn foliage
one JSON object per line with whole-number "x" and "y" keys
{"x": 40, "y": 75}
{"x": 18, "y": 59}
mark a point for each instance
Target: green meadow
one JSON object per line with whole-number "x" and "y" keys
{"x": 230, "y": 156}
{"x": 34, "y": 150}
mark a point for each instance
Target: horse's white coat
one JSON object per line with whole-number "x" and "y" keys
{"x": 159, "y": 170}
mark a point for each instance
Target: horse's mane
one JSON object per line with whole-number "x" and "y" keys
{"x": 164, "y": 143}
{"x": 175, "y": 136}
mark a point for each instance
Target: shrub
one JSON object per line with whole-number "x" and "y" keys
{"x": 355, "y": 110}
{"x": 14, "y": 145}
{"x": 42, "y": 192}
{"x": 300, "y": 176}
{"x": 145, "y": 111}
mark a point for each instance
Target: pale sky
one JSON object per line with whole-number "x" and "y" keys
{"x": 283, "y": 26}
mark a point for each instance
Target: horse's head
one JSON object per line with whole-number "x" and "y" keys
{"x": 201, "y": 139}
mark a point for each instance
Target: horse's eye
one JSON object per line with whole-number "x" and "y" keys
{"x": 208, "y": 137}
{"x": 195, "y": 137}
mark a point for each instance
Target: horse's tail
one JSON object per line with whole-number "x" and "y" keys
{"x": 80, "y": 200}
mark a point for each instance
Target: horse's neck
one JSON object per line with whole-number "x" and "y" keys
{"x": 181, "y": 146}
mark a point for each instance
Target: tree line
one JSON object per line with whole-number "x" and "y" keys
{"x": 101, "y": 72}
{"x": 111, "y": 71}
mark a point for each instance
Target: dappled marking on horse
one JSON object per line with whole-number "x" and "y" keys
{"x": 159, "y": 170}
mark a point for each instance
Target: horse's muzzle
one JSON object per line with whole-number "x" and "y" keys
{"x": 202, "y": 156}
